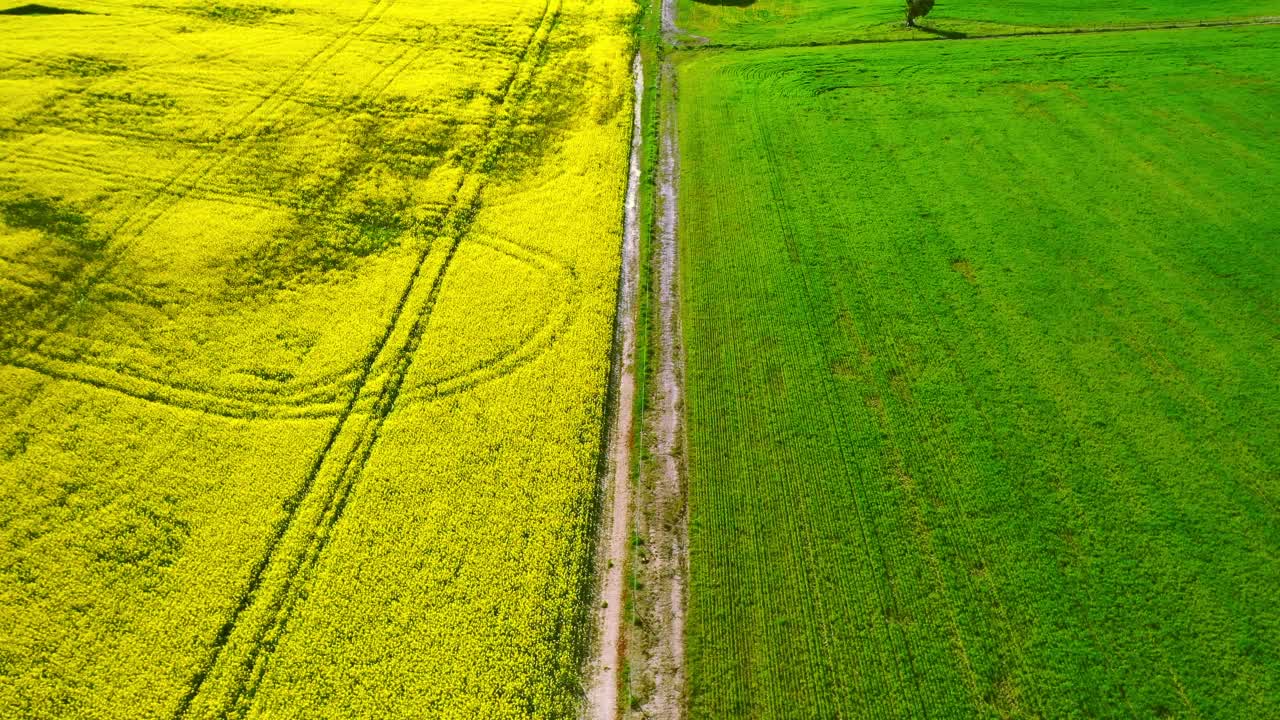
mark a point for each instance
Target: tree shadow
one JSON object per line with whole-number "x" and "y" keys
{"x": 948, "y": 34}
{"x": 42, "y": 10}
{"x": 730, "y": 3}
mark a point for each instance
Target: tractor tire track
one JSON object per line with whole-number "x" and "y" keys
{"x": 235, "y": 141}
{"x": 466, "y": 201}
{"x": 294, "y": 401}
{"x": 177, "y": 397}
{"x": 530, "y": 345}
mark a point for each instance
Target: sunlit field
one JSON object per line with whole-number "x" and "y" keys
{"x": 305, "y": 318}
{"x": 982, "y": 368}
{"x": 808, "y": 22}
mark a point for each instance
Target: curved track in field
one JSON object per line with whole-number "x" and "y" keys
{"x": 345, "y": 461}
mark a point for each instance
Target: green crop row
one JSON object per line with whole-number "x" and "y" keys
{"x": 981, "y": 374}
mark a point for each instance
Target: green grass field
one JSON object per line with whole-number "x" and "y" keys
{"x": 774, "y": 22}
{"x": 982, "y": 373}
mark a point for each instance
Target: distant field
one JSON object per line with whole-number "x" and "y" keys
{"x": 772, "y": 22}
{"x": 305, "y": 318}
{"x": 982, "y": 374}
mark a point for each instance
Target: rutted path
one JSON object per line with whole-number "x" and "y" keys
{"x": 658, "y": 666}
{"x": 615, "y": 523}
{"x": 644, "y": 527}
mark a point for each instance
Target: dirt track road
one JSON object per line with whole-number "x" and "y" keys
{"x": 602, "y": 694}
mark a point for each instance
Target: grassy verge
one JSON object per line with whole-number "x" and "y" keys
{"x": 653, "y": 53}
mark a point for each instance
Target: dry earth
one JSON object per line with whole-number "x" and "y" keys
{"x": 602, "y": 695}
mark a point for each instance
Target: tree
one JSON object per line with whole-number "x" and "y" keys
{"x": 917, "y": 9}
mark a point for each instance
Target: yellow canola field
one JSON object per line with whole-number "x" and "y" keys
{"x": 305, "y": 318}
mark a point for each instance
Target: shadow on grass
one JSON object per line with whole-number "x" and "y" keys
{"x": 948, "y": 34}
{"x": 42, "y": 10}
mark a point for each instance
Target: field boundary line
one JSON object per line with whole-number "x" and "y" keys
{"x": 1047, "y": 32}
